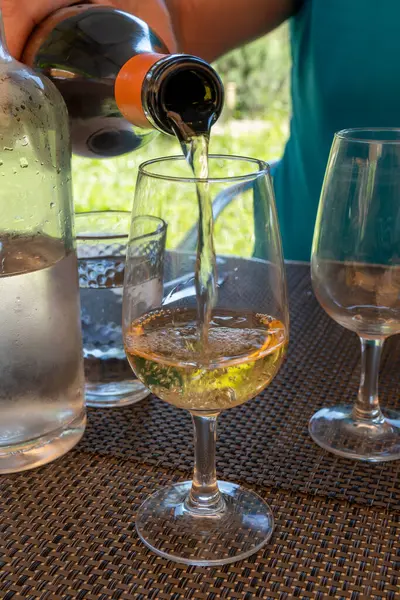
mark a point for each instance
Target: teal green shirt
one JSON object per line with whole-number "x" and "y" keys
{"x": 345, "y": 73}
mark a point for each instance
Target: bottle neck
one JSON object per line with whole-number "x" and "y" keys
{"x": 183, "y": 84}
{"x": 4, "y": 53}
{"x": 150, "y": 85}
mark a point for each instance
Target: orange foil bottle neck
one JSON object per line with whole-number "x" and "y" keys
{"x": 129, "y": 84}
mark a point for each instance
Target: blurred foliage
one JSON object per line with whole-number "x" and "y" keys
{"x": 260, "y": 71}
{"x": 105, "y": 184}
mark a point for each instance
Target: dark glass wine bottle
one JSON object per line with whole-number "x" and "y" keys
{"x": 118, "y": 79}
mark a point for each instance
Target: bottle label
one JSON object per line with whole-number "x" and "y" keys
{"x": 128, "y": 87}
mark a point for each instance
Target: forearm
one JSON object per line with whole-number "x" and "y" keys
{"x": 206, "y": 28}
{"x": 209, "y": 28}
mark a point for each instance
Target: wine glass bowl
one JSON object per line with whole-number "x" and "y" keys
{"x": 204, "y": 522}
{"x": 355, "y": 269}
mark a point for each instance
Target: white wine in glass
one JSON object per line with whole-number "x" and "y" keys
{"x": 243, "y": 353}
{"x": 206, "y": 358}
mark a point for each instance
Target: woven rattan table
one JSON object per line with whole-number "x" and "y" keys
{"x": 67, "y": 530}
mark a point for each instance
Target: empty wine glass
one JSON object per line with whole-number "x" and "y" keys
{"x": 356, "y": 278}
{"x": 206, "y": 522}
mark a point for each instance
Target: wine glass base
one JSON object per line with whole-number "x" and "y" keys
{"x": 335, "y": 430}
{"x": 169, "y": 529}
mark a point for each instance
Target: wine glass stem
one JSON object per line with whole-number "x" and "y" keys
{"x": 367, "y": 403}
{"x": 205, "y": 497}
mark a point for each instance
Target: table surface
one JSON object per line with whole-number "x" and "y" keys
{"x": 67, "y": 529}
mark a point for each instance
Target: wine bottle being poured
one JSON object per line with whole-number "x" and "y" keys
{"x": 117, "y": 78}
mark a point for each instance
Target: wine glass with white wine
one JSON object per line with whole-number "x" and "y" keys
{"x": 356, "y": 278}
{"x": 212, "y": 338}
